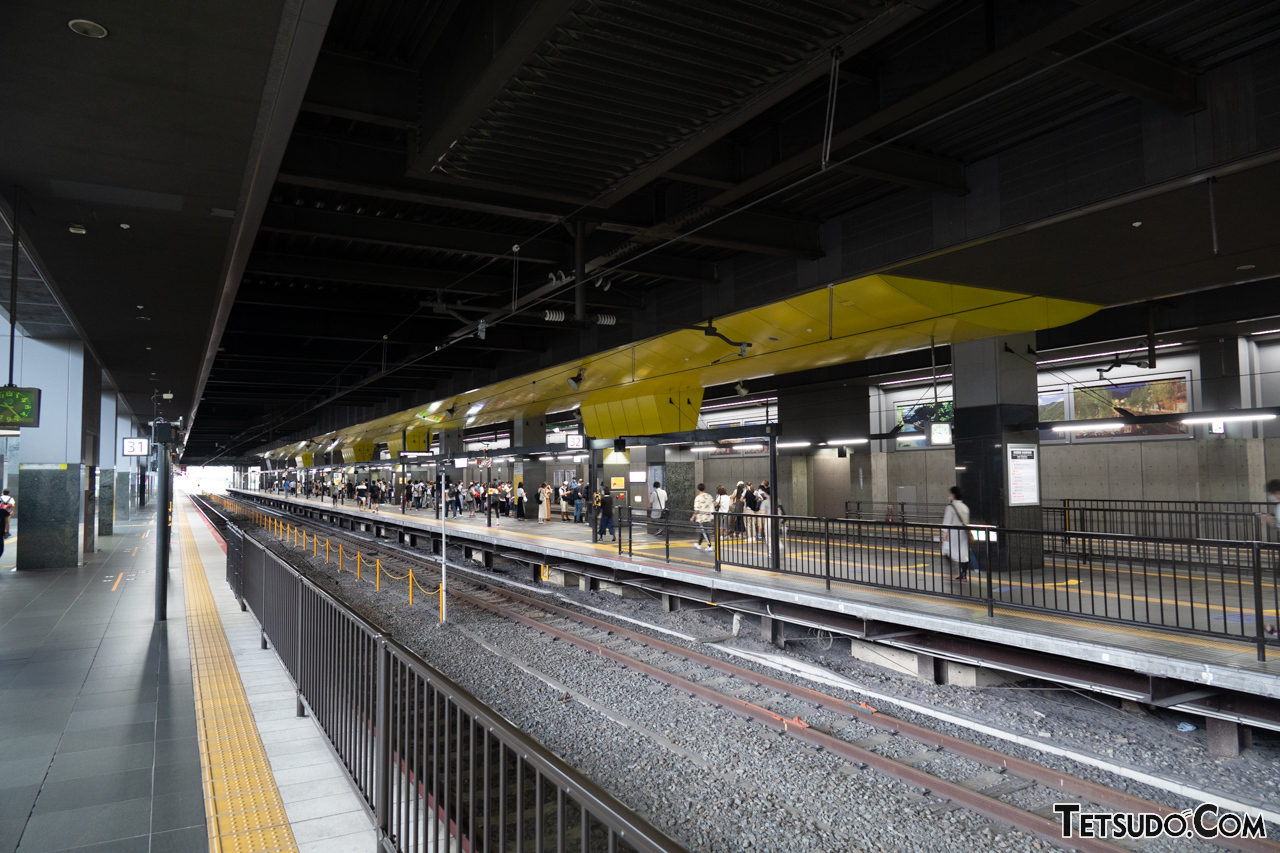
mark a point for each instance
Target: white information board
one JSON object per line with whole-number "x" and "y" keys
{"x": 575, "y": 442}
{"x": 1023, "y": 464}
{"x": 135, "y": 447}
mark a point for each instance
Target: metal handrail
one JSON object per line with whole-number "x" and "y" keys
{"x": 360, "y": 684}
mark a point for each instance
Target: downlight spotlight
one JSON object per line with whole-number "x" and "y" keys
{"x": 741, "y": 390}
{"x": 575, "y": 381}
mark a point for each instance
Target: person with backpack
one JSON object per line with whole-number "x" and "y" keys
{"x": 658, "y": 501}
{"x": 604, "y": 507}
{"x": 750, "y": 506}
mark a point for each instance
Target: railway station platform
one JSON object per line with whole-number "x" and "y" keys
{"x": 941, "y": 637}
{"x": 121, "y": 733}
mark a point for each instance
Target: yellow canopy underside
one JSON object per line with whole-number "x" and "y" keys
{"x": 656, "y": 385}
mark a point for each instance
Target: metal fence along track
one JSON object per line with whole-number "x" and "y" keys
{"x": 435, "y": 766}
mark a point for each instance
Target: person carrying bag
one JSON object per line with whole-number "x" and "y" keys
{"x": 957, "y": 541}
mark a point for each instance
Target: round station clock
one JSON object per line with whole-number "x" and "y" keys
{"x": 19, "y": 406}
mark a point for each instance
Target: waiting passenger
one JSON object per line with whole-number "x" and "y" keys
{"x": 703, "y": 508}
{"x": 955, "y": 542}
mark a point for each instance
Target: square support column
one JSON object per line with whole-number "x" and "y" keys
{"x": 996, "y": 405}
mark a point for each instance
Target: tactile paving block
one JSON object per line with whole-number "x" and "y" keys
{"x": 243, "y": 809}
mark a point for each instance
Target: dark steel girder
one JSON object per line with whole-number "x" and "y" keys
{"x": 291, "y": 219}
{"x": 853, "y": 139}
{"x": 1127, "y": 68}
{"x": 473, "y": 77}
{"x": 384, "y": 275}
{"x": 351, "y": 88}
{"x": 338, "y": 168}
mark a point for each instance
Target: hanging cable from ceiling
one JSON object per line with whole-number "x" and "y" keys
{"x": 829, "y": 124}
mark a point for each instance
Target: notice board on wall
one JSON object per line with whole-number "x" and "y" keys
{"x": 1022, "y": 461}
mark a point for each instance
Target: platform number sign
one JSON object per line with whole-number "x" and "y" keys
{"x": 135, "y": 447}
{"x": 575, "y": 442}
{"x": 19, "y": 406}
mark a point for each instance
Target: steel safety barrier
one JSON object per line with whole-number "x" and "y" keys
{"x": 1221, "y": 588}
{"x": 1215, "y": 587}
{"x": 431, "y": 761}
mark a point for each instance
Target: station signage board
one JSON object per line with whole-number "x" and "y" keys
{"x": 1022, "y": 464}
{"x": 617, "y": 484}
{"x": 135, "y": 447}
{"x": 575, "y": 442}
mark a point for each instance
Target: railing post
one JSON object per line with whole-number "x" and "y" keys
{"x": 715, "y": 521}
{"x": 1259, "y": 621}
{"x": 382, "y": 744}
{"x": 826, "y": 523}
{"x": 991, "y": 590}
{"x": 666, "y": 532}
{"x": 773, "y": 525}
{"x": 301, "y": 710}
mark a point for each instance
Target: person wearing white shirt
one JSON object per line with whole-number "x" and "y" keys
{"x": 955, "y": 541}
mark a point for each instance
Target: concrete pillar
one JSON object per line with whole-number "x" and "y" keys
{"x": 53, "y": 487}
{"x": 124, "y": 492}
{"x": 451, "y": 442}
{"x": 995, "y": 395}
{"x": 107, "y": 451}
{"x": 529, "y": 432}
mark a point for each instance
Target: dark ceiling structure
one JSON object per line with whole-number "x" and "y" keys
{"x": 452, "y": 174}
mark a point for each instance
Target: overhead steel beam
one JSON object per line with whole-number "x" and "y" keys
{"x": 713, "y": 168}
{"x": 360, "y": 90}
{"x": 355, "y": 272}
{"x": 892, "y": 18}
{"x": 1127, "y": 68}
{"x": 853, "y": 139}
{"x": 900, "y": 166}
{"x": 489, "y": 49}
{"x": 288, "y": 219}
{"x": 322, "y": 165}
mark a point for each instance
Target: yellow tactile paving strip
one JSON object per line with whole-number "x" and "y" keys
{"x": 242, "y": 805}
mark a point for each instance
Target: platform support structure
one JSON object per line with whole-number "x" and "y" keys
{"x": 162, "y": 439}
{"x": 775, "y": 544}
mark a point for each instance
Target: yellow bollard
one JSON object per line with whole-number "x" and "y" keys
{"x": 315, "y": 546}
{"x": 357, "y": 565}
{"x": 341, "y": 554}
{"x": 441, "y": 604}
{"x": 326, "y": 552}
{"x": 411, "y": 587}
{"x": 377, "y": 574}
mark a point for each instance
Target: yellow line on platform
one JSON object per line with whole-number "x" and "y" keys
{"x": 242, "y": 805}
{"x": 119, "y": 578}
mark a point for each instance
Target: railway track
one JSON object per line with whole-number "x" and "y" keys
{"x": 1007, "y": 790}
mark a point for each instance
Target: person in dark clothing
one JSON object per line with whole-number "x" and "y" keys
{"x": 604, "y": 506}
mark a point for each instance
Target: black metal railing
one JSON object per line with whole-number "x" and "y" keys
{"x": 1216, "y": 587}
{"x": 1240, "y": 521}
{"x": 431, "y": 762}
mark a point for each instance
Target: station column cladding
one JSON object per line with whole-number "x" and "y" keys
{"x": 995, "y": 399}
{"x": 107, "y": 442}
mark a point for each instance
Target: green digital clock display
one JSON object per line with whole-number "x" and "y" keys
{"x": 19, "y": 406}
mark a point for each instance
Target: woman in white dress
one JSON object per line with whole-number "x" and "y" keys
{"x": 955, "y": 541}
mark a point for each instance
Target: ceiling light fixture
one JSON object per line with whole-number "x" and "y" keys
{"x": 575, "y": 381}
{"x": 88, "y": 29}
{"x": 124, "y": 225}
{"x": 1137, "y": 224}
{"x": 701, "y": 449}
{"x": 78, "y": 229}
{"x": 1246, "y": 266}
{"x": 848, "y": 441}
{"x": 741, "y": 390}
{"x": 1090, "y": 427}
{"x": 783, "y": 445}
{"x": 141, "y": 317}
{"x": 1259, "y": 416}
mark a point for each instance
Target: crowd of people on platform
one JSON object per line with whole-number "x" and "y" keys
{"x": 744, "y": 507}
